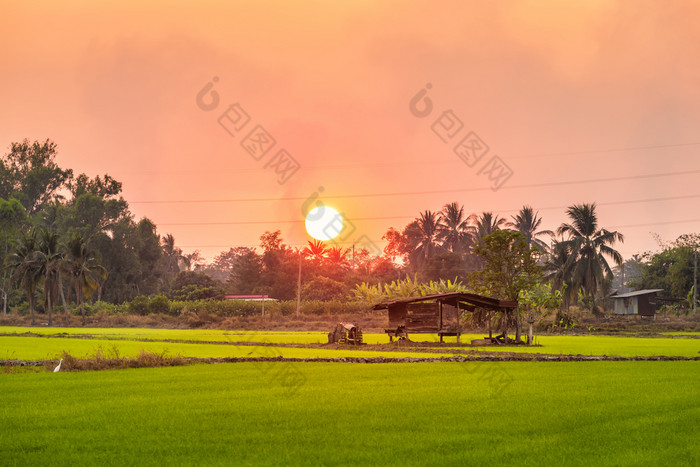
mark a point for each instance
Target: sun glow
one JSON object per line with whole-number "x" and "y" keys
{"x": 324, "y": 223}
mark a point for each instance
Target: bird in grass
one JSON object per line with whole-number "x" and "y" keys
{"x": 58, "y": 368}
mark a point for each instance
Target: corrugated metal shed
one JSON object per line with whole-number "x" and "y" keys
{"x": 639, "y": 302}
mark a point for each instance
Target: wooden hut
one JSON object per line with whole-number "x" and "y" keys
{"x": 436, "y": 314}
{"x": 640, "y": 302}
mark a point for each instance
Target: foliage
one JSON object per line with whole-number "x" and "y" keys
{"x": 443, "y": 286}
{"x": 586, "y": 247}
{"x": 25, "y": 267}
{"x": 83, "y": 269}
{"x": 139, "y": 305}
{"x": 245, "y": 275}
{"x": 454, "y": 229}
{"x": 510, "y": 265}
{"x": 670, "y": 269}
{"x": 404, "y": 288}
{"x": 159, "y": 304}
{"x": 527, "y": 222}
{"x": 196, "y": 285}
{"x": 194, "y": 292}
{"x": 324, "y": 288}
{"x": 30, "y": 174}
{"x": 540, "y": 299}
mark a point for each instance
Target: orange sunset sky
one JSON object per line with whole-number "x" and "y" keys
{"x": 582, "y": 101}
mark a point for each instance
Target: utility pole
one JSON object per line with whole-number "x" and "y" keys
{"x": 695, "y": 281}
{"x": 299, "y": 287}
{"x": 623, "y": 277}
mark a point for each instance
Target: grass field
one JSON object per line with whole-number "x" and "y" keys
{"x": 526, "y": 413}
{"x": 34, "y": 348}
{"x": 202, "y": 343}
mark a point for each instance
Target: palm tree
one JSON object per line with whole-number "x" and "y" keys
{"x": 427, "y": 235}
{"x": 26, "y": 267}
{"x": 192, "y": 261}
{"x": 84, "y": 269}
{"x": 588, "y": 246}
{"x": 486, "y": 224}
{"x": 527, "y": 222}
{"x": 338, "y": 256}
{"x": 49, "y": 258}
{"x": 316, "y": 250}
{"x": 172, "y": 256}
{"x": 558, "y": 270}
{"x": 454, "y": 230}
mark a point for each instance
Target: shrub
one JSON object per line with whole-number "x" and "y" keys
{"x": 194, "y": 292}
{"x": 139, "y": 305}
{"x": 224, "y": 308}
{"x": 159, "y": 304}
{"x": 324, "y": 288}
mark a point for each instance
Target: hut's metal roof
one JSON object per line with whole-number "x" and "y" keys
{"x": 637, "y": 293}
{"x": 452, "y": 298}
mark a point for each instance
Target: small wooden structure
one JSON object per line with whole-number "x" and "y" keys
{"x": 252, "y": 298}
{"x": 640, "y": 302}
{"x": 346, "y": 333}
{"x": 437, "y": 314}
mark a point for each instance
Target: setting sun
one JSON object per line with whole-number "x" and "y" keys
{"x": 324, "y": 223}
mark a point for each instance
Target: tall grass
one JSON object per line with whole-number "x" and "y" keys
{"x": 111, "y": 359}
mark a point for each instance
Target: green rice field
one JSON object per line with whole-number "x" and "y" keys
{"x": 309, "y": 413}
{"x": 528, "y": 413}
{"x": 208, "y": 343}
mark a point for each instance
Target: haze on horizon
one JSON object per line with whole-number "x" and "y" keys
{"x": 593, "y": 101}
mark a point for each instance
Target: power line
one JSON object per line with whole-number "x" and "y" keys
{"x": 602, "y": 151}
{"x": 651, "y": 224}
{"x": 431, "y": 162}
{"x": 427, "y": 192}
{"x": 610, "y": 203}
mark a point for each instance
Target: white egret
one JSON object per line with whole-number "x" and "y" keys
{"x": 58, "y": 368}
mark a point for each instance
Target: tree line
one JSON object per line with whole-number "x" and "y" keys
{"x": 65, "y": 238}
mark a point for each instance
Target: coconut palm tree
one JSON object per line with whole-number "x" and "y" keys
{"x": 338, "y": 257}
{"x": 49, "y": 258}
{"x": 454, "y": 230}
{"x": 486, "y": 224}
{"x": 84, "y": 269}
{"x": 527, "y": 222}
{"x": 558, "y": 270}
{"x": 192, "y": 261}
{"x": 588, "y": 246}
{"x": 427, "y": 236}
{"x": 316, "y": 250}
{"x": 26, "y": 267}
{"x": 172, "y": 255}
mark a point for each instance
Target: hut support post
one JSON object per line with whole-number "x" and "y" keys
{"x": 442, "y": 339}
{"x": 459, "y": 322}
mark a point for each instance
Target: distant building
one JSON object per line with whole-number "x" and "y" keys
{"x": 640, "y": 302}
{"x": 249, "y": 298}
{"x": 253, "y": 298}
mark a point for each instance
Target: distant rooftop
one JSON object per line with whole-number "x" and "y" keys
{"x": 248, "y": 297}
{"x": 637, "y": 293}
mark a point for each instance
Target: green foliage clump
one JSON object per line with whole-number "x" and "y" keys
{"x": 193, "y": 292}
{"x": 510, "y": 265}
{"x": 159, "y": 304}
{"x": 223, "y": 308}
{"x": 324, "y": 288}
{"x": 139, "y": 305}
